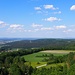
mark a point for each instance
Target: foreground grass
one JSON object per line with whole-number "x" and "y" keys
{"x": 54, "y": 65}
{"x": 35, "y": 64}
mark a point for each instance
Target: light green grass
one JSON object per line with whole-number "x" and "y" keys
{"x": 54, "y": 65}
{"x": 35, "y": 64}
{"x": 33, "y": 58}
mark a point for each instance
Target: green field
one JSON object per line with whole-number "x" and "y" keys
{"x": 35, "y": 64}
{"x": 33, "y": 59}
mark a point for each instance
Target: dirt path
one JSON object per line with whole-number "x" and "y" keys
{"x": 41, "y": 66}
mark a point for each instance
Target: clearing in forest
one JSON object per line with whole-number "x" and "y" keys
{"x": 58, "y": 51}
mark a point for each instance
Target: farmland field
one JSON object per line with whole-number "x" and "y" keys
{"x": 58, "y": 51}
{"x": 33, "y": 57}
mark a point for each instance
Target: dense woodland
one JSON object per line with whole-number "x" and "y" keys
{"x": 50, "y": 44}
{"x": 13, "y": 62}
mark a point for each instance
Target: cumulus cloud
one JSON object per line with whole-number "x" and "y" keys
{"x": 16, "y": 27}
{"x": 36, "y": 25}
{"x": 72, "y": 7}
{"x": 59, "y": 12}
{"x": 50, "y": 7}
{"x": 46, "y": 28}
{"x": 36, "y": 30}
{"x": 68, "y": 31}
{"x": 37, "y": 8}
{"x": 2, "y": 24}
{"x": 51, "y": 19}
{"x": 60, "y": 27}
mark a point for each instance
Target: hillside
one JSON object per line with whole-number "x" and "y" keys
{"x": 52, "y": 44}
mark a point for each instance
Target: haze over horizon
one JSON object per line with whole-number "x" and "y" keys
{"x": 37, "y": 18}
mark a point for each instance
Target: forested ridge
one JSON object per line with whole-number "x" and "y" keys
{"x": 51, "y": 44}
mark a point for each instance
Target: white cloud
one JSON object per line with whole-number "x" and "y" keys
{"x": 2, "y": 24}
{"x": 36, "y": 29}
{"x": 51, "y": 19}
{"x": 60, "y": 27}
{"x": 50, "y": 7}
{"x": 39, "y": 12}
{"x": 29, "y": 30}
{"x": 67, "y": 31}
{"x": 16, "y": 27}
{"x": 59, "y": 12}
{"x": 46, "y": 28}
{"x": 37, "y": 8}
{"x": 36, "y": 25}
{"x": 72, "y": 7}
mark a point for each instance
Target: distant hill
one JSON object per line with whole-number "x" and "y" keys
{"x": 8, "y": 40}
{"x": 54, "y": 44}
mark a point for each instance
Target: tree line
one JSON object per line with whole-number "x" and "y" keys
{"x": 12, "y": 63}
{"x": 50, "y": 44}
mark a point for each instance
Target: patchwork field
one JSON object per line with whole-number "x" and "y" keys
{"x": 58, "y": 51}
{"x": 36, "y": 59}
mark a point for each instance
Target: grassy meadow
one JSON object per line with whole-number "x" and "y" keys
{"x": 36, "y": 59}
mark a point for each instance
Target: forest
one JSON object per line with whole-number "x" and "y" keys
{"x": 50, "y": 44}
{"x": 13, "y": 62}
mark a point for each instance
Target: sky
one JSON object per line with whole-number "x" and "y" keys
{"x": 37, "y": 18}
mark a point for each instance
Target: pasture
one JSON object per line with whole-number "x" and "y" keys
{"x": 58, "y": 51}
{"x": 35, "y": 56}
{"x": 36, "y": 59}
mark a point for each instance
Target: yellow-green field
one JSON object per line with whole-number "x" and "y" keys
{"x": 33, "y": 57}
{"x": 35, "y": 61}
{"x": 58, "y": 51}
{"x": 35, "y": 64}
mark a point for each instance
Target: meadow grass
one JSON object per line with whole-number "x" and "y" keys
{"x": 54, "y": 65}
{"x": 35, "y": 64}
{"x": 33, "y": 57}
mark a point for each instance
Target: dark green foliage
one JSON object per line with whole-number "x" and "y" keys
{"x": 11, "y": 63}
{"x": 49, "y": 44}
{"x": 70, "y": 59}
{"x": 3, "y": 71}
{"x": 50, "y": 71}
{"x": 14, "y": 70}
{"x": 71, "y": 70}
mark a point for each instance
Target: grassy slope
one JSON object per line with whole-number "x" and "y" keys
{"x": 35, "y": 64}
{"x": 33, "y": 60}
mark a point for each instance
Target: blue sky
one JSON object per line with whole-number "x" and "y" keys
{"x": 37, "y": 18}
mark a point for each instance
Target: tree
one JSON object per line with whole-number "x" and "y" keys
{"x": 14, "y": 70}
{"x": 71, "y": 70}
